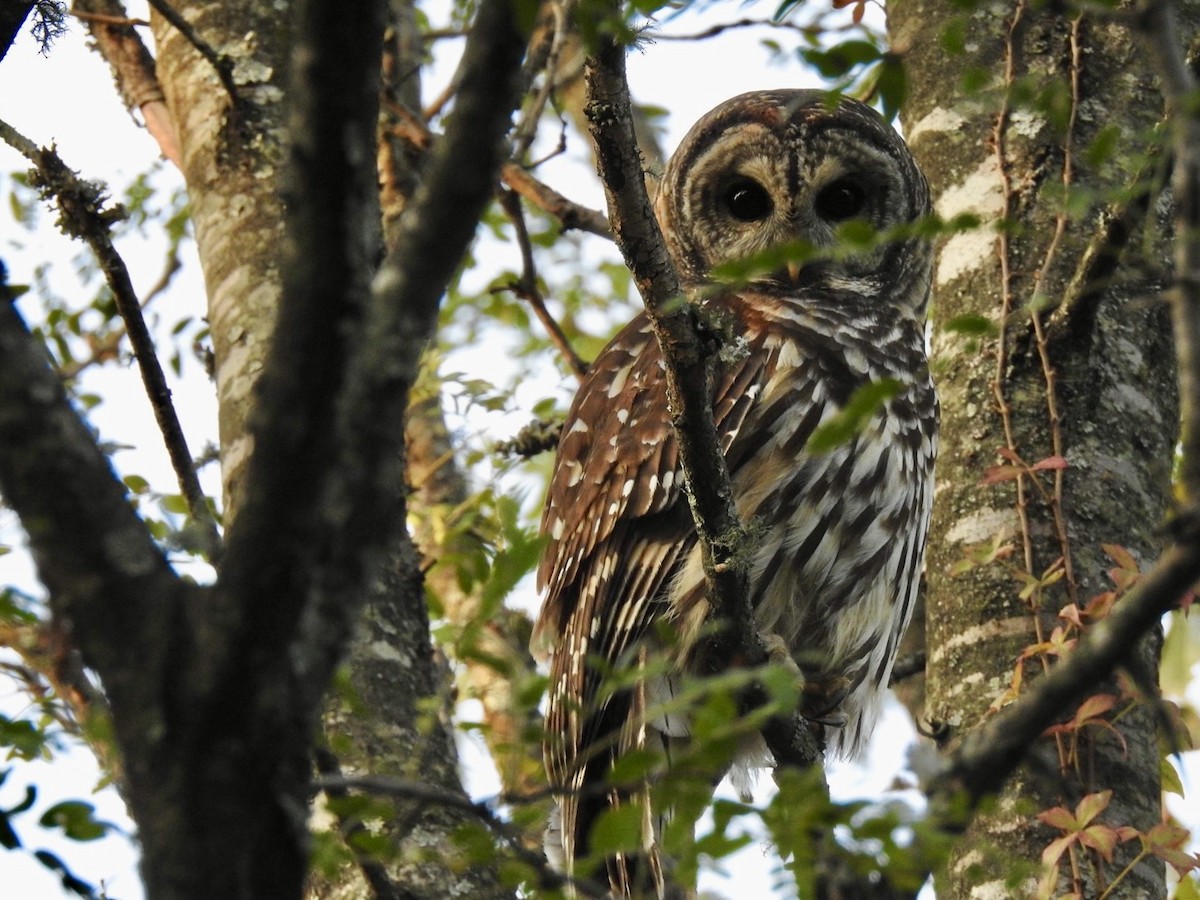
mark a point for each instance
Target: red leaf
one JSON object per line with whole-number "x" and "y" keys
{"x": 997, "y": 474}
{"x": 1093, "y": 706}
{"x": 1050, "y": 462}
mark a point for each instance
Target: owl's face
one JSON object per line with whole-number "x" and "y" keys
{"x": 780, "y": 167}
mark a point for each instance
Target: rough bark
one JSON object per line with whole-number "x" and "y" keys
{"x": 1106, "y": 385}
{"x": 233, "y": 151}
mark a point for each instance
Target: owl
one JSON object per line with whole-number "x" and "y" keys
{"x": 839, "y": 533}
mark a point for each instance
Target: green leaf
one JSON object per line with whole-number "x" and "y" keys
{"x": 617, "y": 830}
{"x": 971, "y": 326}
{"x": 838, "y": 60}
{"x": 1169, "y": 776}
{"x": 844, "y": 426}
{"x": 76, "y": 819}
{"x": 136, "y": 484}
{"x": 891, "y": 85}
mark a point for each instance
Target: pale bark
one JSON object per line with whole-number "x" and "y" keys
{"x": 232, "y": 161}
{"x": 1106, "y": 335}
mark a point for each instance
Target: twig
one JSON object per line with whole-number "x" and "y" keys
{"x": 526, "y": 130}
{"x": 715, "y": 30}
{"x": 105, "y": 348}
{"x": 536, "y": 437}
{"x": 108, "y": 19}
{"x": 526, "y": 287}
{"x": 720, "y": 533}
{"x": 219, "y": 61}
{"x": 572, "y": 215}
{"x": 82, "y": 216}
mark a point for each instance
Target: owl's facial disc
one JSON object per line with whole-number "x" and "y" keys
{"x": 784, "y": 169}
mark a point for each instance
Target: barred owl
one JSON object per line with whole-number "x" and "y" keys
{"x": 841, "y": 533}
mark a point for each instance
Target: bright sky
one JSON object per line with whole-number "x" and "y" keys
{"x": 68, "y": 98}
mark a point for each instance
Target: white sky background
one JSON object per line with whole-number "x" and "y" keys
{"x": 69, "y": 98}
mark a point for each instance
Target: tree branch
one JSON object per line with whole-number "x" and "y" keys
{"x": 990, "y": 754}
{"x": 526, "y": 287}
{"x": 104, "y": 574}
{"x": 221, "y": 63}
{"x": 82, "y": 215}
{"x": 327, "y": 463}
{"x": 688, "y": 354}
{"x": 133, "y": 69}
{"x": 277, "y": 564}
{"x": 548, "y": 877}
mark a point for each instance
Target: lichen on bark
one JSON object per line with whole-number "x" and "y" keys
{"x": 1113, "y": 388}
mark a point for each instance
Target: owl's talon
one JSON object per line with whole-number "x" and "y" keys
{"x": 779, "y": 653}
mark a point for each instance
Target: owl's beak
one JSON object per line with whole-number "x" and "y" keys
{"x": 793, "y": 270}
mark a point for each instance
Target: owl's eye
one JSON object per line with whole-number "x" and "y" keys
{"x": 747, "y": 200}
{"x": 843, "y": 199}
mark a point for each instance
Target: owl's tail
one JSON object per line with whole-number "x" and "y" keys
{"x": 638, "y": 871}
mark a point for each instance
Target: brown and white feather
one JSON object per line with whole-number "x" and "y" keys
{"x": 841, "y": 533}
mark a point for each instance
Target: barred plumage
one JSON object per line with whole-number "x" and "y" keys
{"x": 842, "y": 532}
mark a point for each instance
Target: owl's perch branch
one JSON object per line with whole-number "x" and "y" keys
{"x": 688, "y": 353}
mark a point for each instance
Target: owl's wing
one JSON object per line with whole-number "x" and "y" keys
{"x": 617, "y": 525}
{"x": 617, "y": 464}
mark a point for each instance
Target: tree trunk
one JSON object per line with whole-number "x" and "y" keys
{"x": 1075, "y": 362}
{"x": 232, "y": 164}
{"x": 384, "y": 718}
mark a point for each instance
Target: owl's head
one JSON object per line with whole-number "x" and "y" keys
{"x": 770, "y": 168}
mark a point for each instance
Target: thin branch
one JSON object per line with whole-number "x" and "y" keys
{"x": 560, "y": 13}
{"x": 989, "y": 754}
{"x": 526, "y": 287}
{"x": 688, "y": 356}
{"x": 223, "y": 64}
{"x": 381, "y": 785}
{"x": 572, "y": 215}
{"x": 83, "y": 216}
{"x": 105, "y": 348}
{"x": 715, "y": 30}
